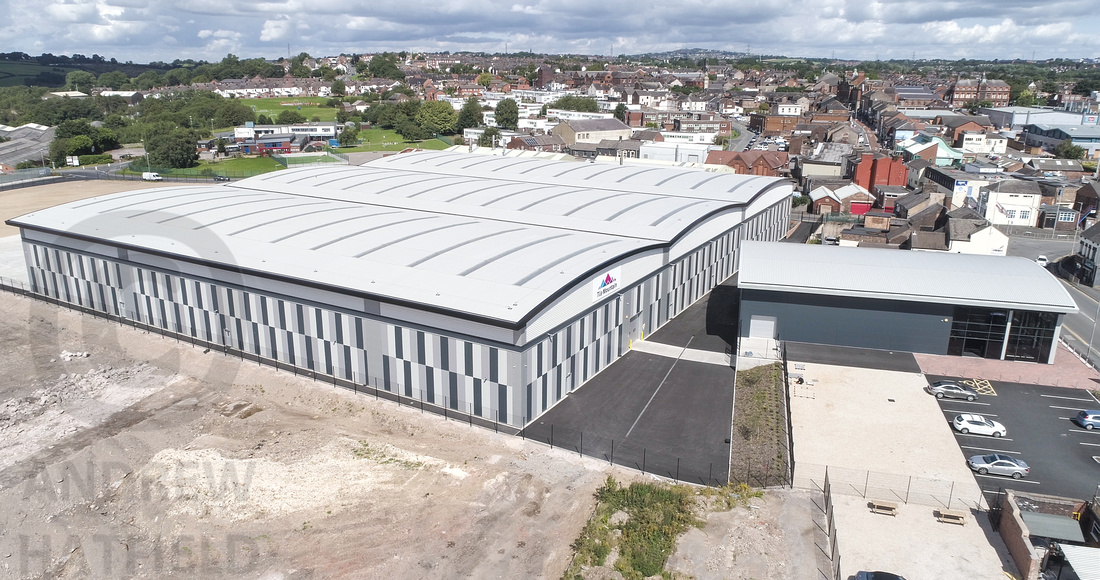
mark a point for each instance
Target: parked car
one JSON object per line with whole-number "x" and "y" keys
{"x": 1088, "y": 419}
{"x": 1042, "y": 261}
{"x": 978, "y": 425}
{"x": 877, "y": 576}
{"x": 220, "y": 178}
{"x": 999, "y": 464}
{"x": 951, "y": 390}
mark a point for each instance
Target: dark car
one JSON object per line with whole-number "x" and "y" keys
{"x": 877, "y": 576}
{"x": 1088, "y": 419}
{"x": 951, "y": 390}
{"x": 220, "y": 178}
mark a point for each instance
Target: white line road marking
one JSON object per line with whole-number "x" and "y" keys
{"x": 1084, "y": 431}
{"x": 654, "y": 395}
{"x": 983, "y": 436}
{"x": 983, "y": 414}
{"x": 1065, "y": 408}
{"x": 1021, "y": 480}
{"x": 1070, "y": 398}
{"x": 988, "y": 449}
{"x": 969, "y": 403}
{"x": 1090, "y": 444}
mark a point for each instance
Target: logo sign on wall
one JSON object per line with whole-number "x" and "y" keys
{"x": 606, "y": 284}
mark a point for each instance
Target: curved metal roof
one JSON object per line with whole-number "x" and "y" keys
{"x": 491, "y": 238}
{"x": 938, "y": 277}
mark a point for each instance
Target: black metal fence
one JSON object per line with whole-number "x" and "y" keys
{"x": 710, "y": 468}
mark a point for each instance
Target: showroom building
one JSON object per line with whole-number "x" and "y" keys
{"x": 487, "y": 285}
{"x": 996, "y": 307}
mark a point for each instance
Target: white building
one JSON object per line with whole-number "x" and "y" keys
{"x": 1012, "y": 202}
{"x": 469, "y": 284}
{"x": 676, "y": 152}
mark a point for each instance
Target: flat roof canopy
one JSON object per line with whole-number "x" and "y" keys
{"x": 911, "y": 276}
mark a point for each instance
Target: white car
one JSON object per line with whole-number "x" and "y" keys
{"x": 970, "y": 423}
{"x": 1042, "y": 261}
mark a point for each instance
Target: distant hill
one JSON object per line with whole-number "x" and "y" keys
{"x": 690, "y": 53}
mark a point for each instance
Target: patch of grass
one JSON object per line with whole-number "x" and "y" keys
{"x": 389, "y": 140}
{"x": 365, "y": 451}
{"x": 728, "y": 497}
{"x": 759, "y": 443}
{"x": 235, "y": 167}
{"x": 655, "y": 514}
{"x": 307, "y": 107}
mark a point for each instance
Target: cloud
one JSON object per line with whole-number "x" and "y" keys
{"x": 137, "y": 29}
{"x": 275, "y": 30}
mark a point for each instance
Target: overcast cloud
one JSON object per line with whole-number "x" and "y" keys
{"x": 148, "y": 30}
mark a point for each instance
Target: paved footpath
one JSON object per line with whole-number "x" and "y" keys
{"x": 1067, "y": 371}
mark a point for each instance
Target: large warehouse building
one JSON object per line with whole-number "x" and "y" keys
{"x": 488, "y": 285}
{"x": 1007, "y": 308}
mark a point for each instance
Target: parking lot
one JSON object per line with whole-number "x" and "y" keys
{"x": 1061, "y": 455}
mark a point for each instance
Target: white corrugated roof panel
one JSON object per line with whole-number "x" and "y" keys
{"x": 939, "y": 277}
{"x": 1085, "y": 560}
{"x": 483, "y": 236}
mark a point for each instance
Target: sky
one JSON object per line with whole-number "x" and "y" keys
{"x": 150, "y": 30}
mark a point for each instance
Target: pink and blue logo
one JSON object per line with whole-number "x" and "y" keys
{"x": 605, "y": 284}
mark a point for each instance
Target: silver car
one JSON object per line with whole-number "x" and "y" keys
{"x": 951, "y": 390}
{"x": 999, "y": 464}
{"x": 1088, "y": 419}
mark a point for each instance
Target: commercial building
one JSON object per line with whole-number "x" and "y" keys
{"x": 487, "y": 285}
{"x": 996, "y": 307}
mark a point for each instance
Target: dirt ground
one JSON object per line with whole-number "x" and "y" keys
{"x": 128, "y": 455}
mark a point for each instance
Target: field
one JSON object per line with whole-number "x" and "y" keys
{"x": 238, "y": 167}
{"x": 307, "y": 107}
{"x": 12, "y": 74}
{"x": 388, "y": 140}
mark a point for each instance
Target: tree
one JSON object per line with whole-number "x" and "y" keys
{"x": 232, "y": 114}
{"x": 620, "y": 112}
{"x": 385, "y": 66}
{"x": 348, "y": 138}
{"x": 508, "y": 114}
{"x": 488, "y": 137}
{"x": 114, "y": 79}
{"x": 289, "y": 117}
{"x": 574, "y": 103}
{"x": 410, "y": 130}
{"x": 81, "y": 145}
{"x": 338, "y": 87}
{"x": 437, "y": 117}
{"x": 173, "y": 149}
{"x": 221, "y": 146}
{"x": 469, "y": 116}
{"x": 484, "y": 79}
{"x": 263, "y": 119}
{"x": 1067, "y": 150}
{"x": 80, "y": 80}
{"x": 1026, "y": 98}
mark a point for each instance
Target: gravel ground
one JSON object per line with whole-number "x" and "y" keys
{"x": 129, "y": 455}
{"x": 151, "y": 459}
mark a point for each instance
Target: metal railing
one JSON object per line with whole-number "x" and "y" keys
{"x": 906, "y": 489}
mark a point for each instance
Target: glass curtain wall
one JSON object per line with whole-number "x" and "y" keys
{"x": 987, "y": 333}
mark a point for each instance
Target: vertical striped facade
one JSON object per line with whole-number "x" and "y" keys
{"x": 507, "y": 383}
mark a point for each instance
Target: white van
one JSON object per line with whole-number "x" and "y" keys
{"x": 151, "y": 176}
